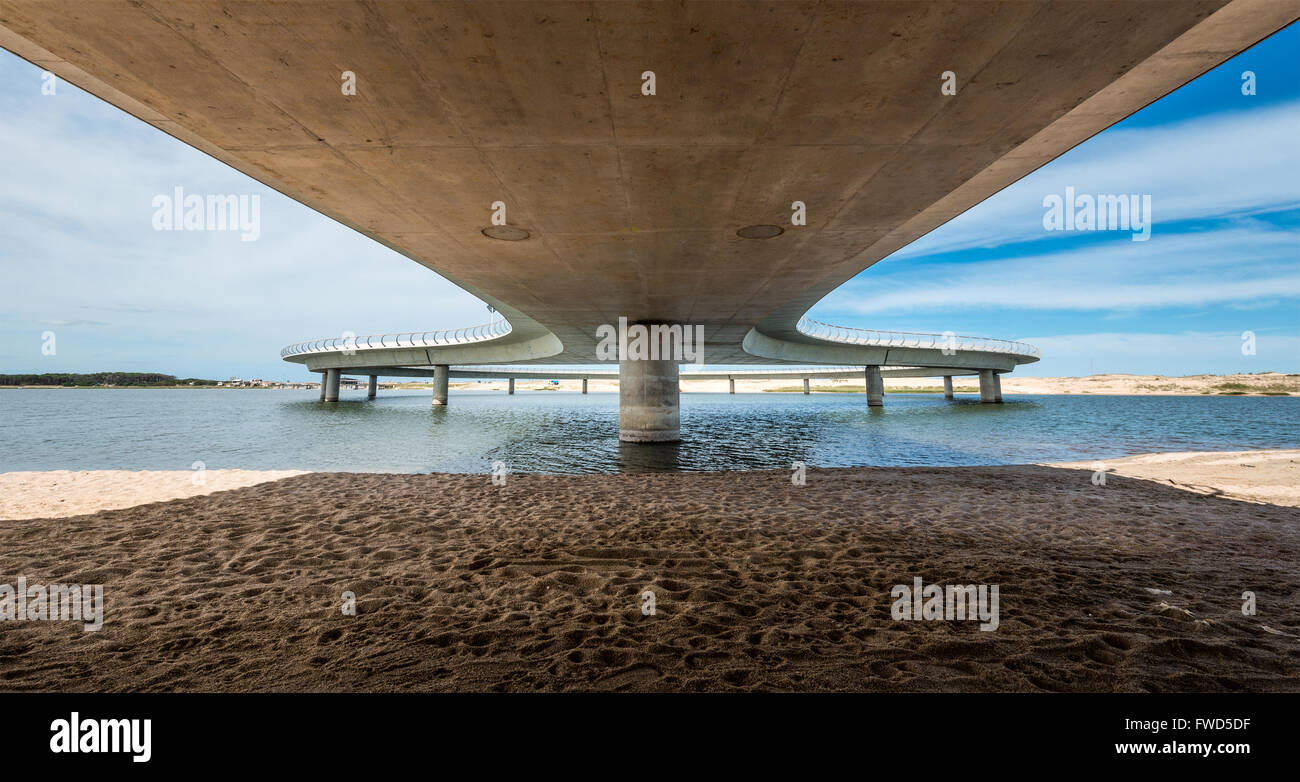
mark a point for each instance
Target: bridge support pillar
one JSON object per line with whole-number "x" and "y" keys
{"x": 732, "y": 381}
{"x": 440, "y": 374}
{"x": 947, "y": 387}
{"x": 805, "y": 387}
{"x": 649, "y": 401}
{"x": 322, "y": 386}
{"x": 584, "y": 385}
{"x": 990, "y": 386}
{"x": 331, "y": 385}
{"x": 875, "y": 387}
{"x": 373, "y": 388}
{"x": 510, "y": 388}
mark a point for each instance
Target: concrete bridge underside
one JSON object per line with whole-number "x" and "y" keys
{"x": 632, "y": 203}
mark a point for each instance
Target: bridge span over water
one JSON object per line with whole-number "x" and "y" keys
{"x": 720, "y": 165}
{"x": 876, "y": 354}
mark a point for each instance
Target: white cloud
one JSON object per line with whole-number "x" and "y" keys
{"x": 1230, "y": 265}
{"x": 79, "y": 249}
{"x": 1236, "y": 164}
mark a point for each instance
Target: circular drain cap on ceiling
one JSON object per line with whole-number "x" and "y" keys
{"x": 506, "y": 233}
{"x": 760, "y": 231}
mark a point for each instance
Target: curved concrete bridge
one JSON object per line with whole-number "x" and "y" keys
{"x": 443, "y": 354}
{"x": 714, "y": 165}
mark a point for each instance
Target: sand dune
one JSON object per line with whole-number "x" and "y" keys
{"x": 1263, "y": 383}
{"x": 759, "y": 584}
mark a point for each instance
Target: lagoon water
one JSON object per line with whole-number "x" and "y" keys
{"x": 562, "y": 432}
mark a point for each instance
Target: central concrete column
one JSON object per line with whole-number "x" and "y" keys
{"x": 990, "y": 387}
{"x": 947, "y": 387}
{"x": 732, "y": 381}
{"x": 331, "y": 385}
{"x": 440, "y": 385}
{"x": 875, "y": 387}
{"x": 322, "y": 386}
{"x": 511, "y": 386}
{"x": 805, "y": 386}
{"x": 584, "y": 385}
{"x": 649, "y": 402}
{"x": 373, "y": 389}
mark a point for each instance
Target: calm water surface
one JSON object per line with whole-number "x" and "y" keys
{"x": 561, "y": 432}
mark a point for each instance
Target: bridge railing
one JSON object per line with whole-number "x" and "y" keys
{"x": 806, "y": 326}
{"x": 409, "y": 339}
{"x": 611, "y": 368}
{"x": 797, "y": 371}
{"x": 907, "y": 339}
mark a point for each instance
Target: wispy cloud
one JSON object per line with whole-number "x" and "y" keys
{"x": 1231, "y": 165}
{"x": 1223, "y": 257}
{"x": 1231, "y": 265}
{"x": 1184, "y": 353}
{"x": 72, "y": 323}
{"x": 75, "y": 217}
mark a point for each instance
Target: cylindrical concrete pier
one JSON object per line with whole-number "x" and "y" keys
{"x": 373, "y": 388}
{"x": 584, "y": 385}
{"x": 732, "y": 381}
{"x": 875, "y": 387}
{"x": 947, "y": 387}
{"x": 322, "y": 386}
{"x": 331, "y": 385}
{"x": 990, "y": 387}
{"x": 440, "y": 385}
{"x": 510, "y": 389}
{"x": 805, "y": 386}
{"x": 648, "y": 402}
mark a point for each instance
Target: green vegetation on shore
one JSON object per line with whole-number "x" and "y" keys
{"x": 118, "y": 379}
{"x": 1271, "y": 389}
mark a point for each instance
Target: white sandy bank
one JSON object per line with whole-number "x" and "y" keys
{"x": 1255, "y": 476}
{"x": 57, "y": 493}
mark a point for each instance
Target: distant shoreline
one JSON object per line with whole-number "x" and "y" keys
{"x": 123, "y": 388}
{"x": 150, "y": 389}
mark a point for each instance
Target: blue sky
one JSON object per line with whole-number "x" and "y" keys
{"x": 79, "y": 257}
{"x": 1223, "y": 173}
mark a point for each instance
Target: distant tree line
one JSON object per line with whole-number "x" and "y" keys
{"x": 102, "y": 379}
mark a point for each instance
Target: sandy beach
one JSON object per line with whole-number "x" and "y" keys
{"x": 1254, "y": 476}
{"x": 24, "y": 495}
{"x": 537, "y": 585}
